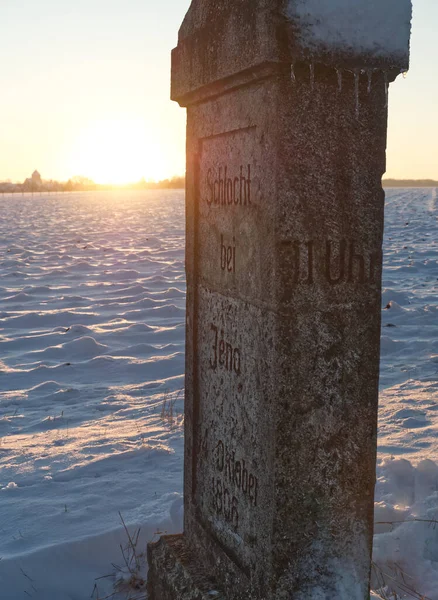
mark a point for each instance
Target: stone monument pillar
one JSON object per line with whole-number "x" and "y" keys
{"x": 286, "y": 137}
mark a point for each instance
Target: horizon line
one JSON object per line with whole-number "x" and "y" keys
{"x": 85, "y": 179}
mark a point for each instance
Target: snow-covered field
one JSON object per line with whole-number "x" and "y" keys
{"x": 92, "y": 294}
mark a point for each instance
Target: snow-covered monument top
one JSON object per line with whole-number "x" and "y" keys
{"x": 220, "y": 38}
{"x": 372, "y": 33}
{"x": 286, "y": 138}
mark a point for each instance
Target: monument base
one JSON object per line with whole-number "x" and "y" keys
{"x": 174, "y": 572}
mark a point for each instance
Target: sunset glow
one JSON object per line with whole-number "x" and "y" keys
{"x": 81, "y": 104}
{"x": 119, "y": 151}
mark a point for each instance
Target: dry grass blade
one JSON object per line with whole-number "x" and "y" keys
{"x": 168, "y": 410}
{"x": 387, "y": 580}
{"x": 130, "y": 576}
{"x": 125, "y": 560}
{"x": 132, "y": 545}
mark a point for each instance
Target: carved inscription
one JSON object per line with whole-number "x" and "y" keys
{"x": 337, "y": 262}
{"x": 227, "y": 188}
{"x": 228, "y": 256}
{"x": 234, "y": 479}
{"x": 224, "y": 355}
{"x": 224, "y": 503}
{"x": 236, "y": 473}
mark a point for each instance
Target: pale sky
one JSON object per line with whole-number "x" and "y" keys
{"x": 85, "y": 91}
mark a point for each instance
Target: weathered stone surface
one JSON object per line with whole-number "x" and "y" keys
{"x": 184, "y": 577}
{"x": 284, "y": 239}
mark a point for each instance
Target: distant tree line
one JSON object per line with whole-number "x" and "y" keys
{"x": 82, "y": 184}
{"x": 409, "y": 183}
{"x": 174, "y": 183}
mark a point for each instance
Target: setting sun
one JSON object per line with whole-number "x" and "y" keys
{"x": 119, "y": 151}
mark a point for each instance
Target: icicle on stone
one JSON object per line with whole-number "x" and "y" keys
{"x": 339, "y": 75}
{"x": 312, "y": 75}
{"x": 370, "y": 79}
{"x": 385, "y": 77}
{"x": 292, "y": 73}
{"x": 356, "y": 92}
